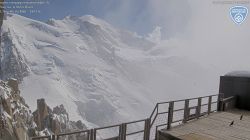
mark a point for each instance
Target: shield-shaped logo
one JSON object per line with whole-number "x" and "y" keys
{"x": 238, "y": 14}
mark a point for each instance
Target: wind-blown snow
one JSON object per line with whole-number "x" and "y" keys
{"x": 102, "y": 75}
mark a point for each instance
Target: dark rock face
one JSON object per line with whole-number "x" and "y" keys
{"x": 80, "y": 125}
{"x": 56, "y": 120}
{"x": 14, "y": 85}
{"x": 60, "y": 110}
{"x": 12, "y": 64}
{"x": 40, "y": 115}
{"x": 44, "y": 118}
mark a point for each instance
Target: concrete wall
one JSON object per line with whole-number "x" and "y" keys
{"x": 236, "y": 86}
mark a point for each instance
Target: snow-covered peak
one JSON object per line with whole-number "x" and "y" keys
{"x": 100, "y": 74}
{"x": 88, "y": 18}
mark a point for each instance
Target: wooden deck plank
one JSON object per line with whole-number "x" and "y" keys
{"x": 215, "y": 127}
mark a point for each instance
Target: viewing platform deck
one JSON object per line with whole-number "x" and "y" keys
{"x": 229, "y": 125}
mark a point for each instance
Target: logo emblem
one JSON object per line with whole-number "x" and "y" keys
{"x": 238, "y": 14}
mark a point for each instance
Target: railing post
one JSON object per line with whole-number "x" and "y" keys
{"x": 53, "y": 137}
{"x": 198, "y": 111}
{"x": 156, "y": 133}
{"x": 92, "y": 134}
{"x": 209, "y": 105}
{"x": 157, "y": 108}
{"x": 220, "y": 102}
{"x": 122, "y": 131}
{"x": 186, "y": 111}
{"x": 88, "y": 134}
{"x": 170, "y": 114}
{"x": 147, "y": 129}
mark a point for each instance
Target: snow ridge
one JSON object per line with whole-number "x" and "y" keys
{"x": 101, "y": 74}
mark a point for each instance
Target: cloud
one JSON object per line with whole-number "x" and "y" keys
{"x": 171, "y": 15}
{"x": 213, "y": 39}
{"x": 203, "y": 30}
{"x": 142, "y": 16}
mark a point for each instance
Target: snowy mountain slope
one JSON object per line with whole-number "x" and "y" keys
{"x": 101, "y": 74}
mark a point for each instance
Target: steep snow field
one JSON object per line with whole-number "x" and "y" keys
{"x": 103, "y": 75}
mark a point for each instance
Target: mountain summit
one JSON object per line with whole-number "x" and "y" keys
{"x": 101, "y": 74}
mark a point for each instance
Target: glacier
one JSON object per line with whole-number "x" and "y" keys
{"x": 101, "y": 74}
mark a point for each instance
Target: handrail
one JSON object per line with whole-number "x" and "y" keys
{"x": 40, "y": 137}
{"x": 227, "y": 103}
{"x": 105, "y": 127}
{"x": 135, "y": 121}
{"x": 136, "y": 132}
{"x": 71, "y": 133}
{"x": 229, "y": 98}
{"x": 151, "y": 121}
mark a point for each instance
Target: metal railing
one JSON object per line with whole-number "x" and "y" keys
{"x": 227, "y": 103}
{"x": 181, "y": 111}
{"x": 165, "y": 114}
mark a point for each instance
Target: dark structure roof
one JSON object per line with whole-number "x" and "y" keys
{"x": 237, "y": 84}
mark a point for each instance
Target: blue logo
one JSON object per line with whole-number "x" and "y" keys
{"x": 238, "y": 14}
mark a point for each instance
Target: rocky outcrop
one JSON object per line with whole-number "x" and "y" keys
{"x": 56, "y": 120}
{"x": 15, "y": 117}
{"x": 41, "y": 114}
{"x": 17, "y": 122}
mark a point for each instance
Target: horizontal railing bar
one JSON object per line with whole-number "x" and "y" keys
{"x": 189, "y": 99}
{"x": 202, "y": 97}
{"x": 71, "y": 133}
{"x": 214, "y": 102}
{"x": 162, "y": 113}
{"x": 181, "y": 100}
{"x": 193, "y": 107}
{"x": 111, "y": 126}
{"x": 161, "y": 125}
{"x": 163, "y": 103}
{"x": 132, "y": 133}
{"x": 229, "y": 98}
{"x": 142, "y": 120}
{"x": 181, "y": 109}
{"x": 40, "y": 137}
{"x": 204, "y": 104}
{"x": 112, "y": 138}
